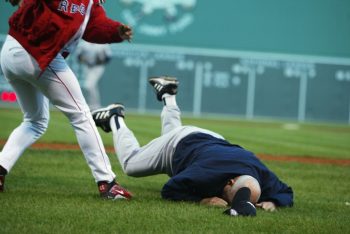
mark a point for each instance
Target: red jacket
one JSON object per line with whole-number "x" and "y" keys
{"x": 43, "y": 27}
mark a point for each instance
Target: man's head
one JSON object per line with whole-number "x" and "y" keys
{"x": 233, "y": 185}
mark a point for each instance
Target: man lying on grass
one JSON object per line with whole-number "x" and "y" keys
{"x": 203, "y": 166}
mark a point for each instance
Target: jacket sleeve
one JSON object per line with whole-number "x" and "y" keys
{"x": 276, "y": 191}
{"x": 180, "y": 188}
{"x": 284, "y": 198}
{"x": 101, "y": 29}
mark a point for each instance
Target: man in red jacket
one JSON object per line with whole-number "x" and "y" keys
{"x": 42, "y": 34}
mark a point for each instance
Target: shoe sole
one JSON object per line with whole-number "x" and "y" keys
{"x": 108, "y": 108}
{"x": 172, "y": 80}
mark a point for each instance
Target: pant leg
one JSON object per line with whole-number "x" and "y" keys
{"x": 135, "y": 160}
{"x": 19, "y": 69}
{"x": 171, "y": 118}
{"x": 62, "y": 88}
{"x": 35, "y": 121}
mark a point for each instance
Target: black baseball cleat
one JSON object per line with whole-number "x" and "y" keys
{"x": 3, "y": 173}
{"x": 113, "y": 191}
{"x": 241, "y": 206}
{"x": 103, "y": 115}
{"x": 2, "y": 183}
{"x": 164, "y": 84}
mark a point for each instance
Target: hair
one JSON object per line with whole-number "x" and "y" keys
{"x": 251, "y": 183}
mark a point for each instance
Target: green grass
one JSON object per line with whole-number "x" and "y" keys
{"x": 312, "y": 140}
{"x": 53, "y": 191}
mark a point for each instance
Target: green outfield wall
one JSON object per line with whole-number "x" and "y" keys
{"x": 308, "y": 27}
{"x": 249, "y": 58}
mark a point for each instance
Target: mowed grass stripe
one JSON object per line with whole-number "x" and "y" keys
{"x": 260, "y": 137}
{"x": 283, "y": 158}
{"x": 53, "y": 192}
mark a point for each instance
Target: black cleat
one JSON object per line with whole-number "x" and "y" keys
{"x": 3, "y": 172}
{"x": 241, "y": 206}
{"x": 102, "y": 116}
{"x": 164, "y": 84}
{"x": 2, "y": 183}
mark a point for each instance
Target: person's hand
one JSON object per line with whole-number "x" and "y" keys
{"x": 267, "y": 205}
{"x": 214, "y": 201}
{"x": 125, "y": 32}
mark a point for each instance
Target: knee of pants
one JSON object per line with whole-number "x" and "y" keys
{"x": 38, "y": 126}
{"x": 129, "y": 172}
{"x": 78, "y": 117}
{"x": 134, "y": 172}
{"x": 126, "y": 169}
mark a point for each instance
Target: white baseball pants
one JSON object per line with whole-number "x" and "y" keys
{"x": 60, "y": 86}
{"x": 156, "y": 157}
{"x": 153, "y": 158}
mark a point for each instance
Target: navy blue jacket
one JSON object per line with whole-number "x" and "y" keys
{"x": 203, "y": 164}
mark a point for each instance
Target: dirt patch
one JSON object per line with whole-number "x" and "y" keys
{"x": 308, "y": 160}
{"x": 282, "y": 158}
